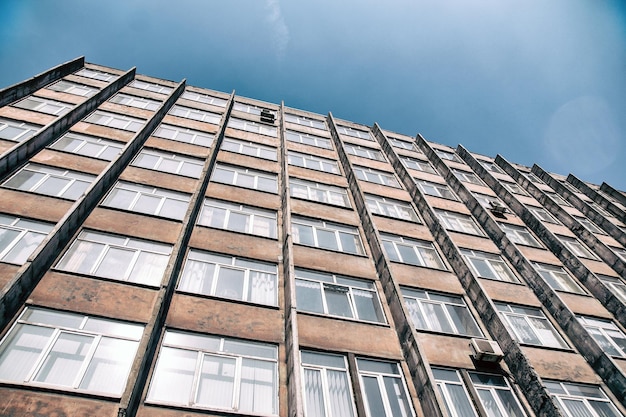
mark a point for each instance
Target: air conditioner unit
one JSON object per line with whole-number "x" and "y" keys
{"x": 486, "y": 350}
{"x": 497, "y": 208}
{"x": 267, "y": 116}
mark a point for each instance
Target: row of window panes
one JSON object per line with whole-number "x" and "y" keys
{"x": 355, "y": 133}
{"x": 244, "y": 177}
{"x": 182, "y": 134}
{"x": 411, "y": 251}
{"x": 134, "y": 101}
{"x": 326, "y": 235}
{"x": 390, "y": 208}
{"x": 57, "y": 182}
{"x": 204, "y": 98}
{"x": 16, "y": 131}
{"x": 117, "y": 121}
{"x": 305, "y": 121}
{"x": 148, "y": 200}
{"x": 312, "y": 162}
{"x": 364, "y": 152}
{"x": 44, "y": 105}
{"x": 195, "y": 114}
{"x": 322, "y": 193}
{"x": 376, "y": 177}
{"x": 254, "y": 127}
{"x": 308, "y": 139}
{"x": 69, "y": 87}
{"x": 417, "y": 164}
{"x": 251, "y": 109}
{"x": 249, "y": 148}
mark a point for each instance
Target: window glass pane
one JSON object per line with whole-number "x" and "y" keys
{"x": 115, "y": 263}
{"x": 149, "y": 268}
{"x": 217, "y": 382}
{"x": 21, "y": 250}
{"x": 108, "y": 369}
{"x": 367, "y": 305}
{"x": 21, "y": 350}
{"x": 337, "y": 300}
{"x": 172, "y": 380}
{"x": 62, "y": 364}
{"x": 258, "y": 387}
{"x": 313, "y": 393}
{"x": 373, "y": 398}
{"x": 340, "y": 397}
{"x": 396, "y": 395}
{"x": 309, "y": 296}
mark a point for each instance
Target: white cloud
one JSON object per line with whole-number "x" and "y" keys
{"x": 279, "y": 28}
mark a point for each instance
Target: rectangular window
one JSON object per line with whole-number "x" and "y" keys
{"x": 307, "y": 139}
{"x": 96, "y": 75}
{"x": 402, "y": 144}
{"x": 195, "y": 114}
{"x": 375, "y": 176}
{"x": 149, "y": 200}
{"x": 244, "y": 177}
{"x": 488, "y": 201}
{"x": 69, "y": 351}
{"x": 576, "y": 247}
{"x": 116, "y": 121}
{"x": 305, "y": 121}
{"x": 56, "y": 182}
{"x": 609, "y": 337}
{"x": 169, "y": 162}
{"x": 249, "y": 148}
{"x": 327, "y": 388}
{"x": 454, "y": 393}
{"x": 88, "y": 146}
{"x": 459, "y": 222}
{"x": 155, "y": 88}
{"x": 591, "y": 226}
{"x": 355, "y": 133}
{"x": 440, "y": 312}
{"x": 383, "y": 388}
{"x": 20, "y": 237}
{"x": 313, "y": 162}
{"x": 615, "y": 285}
{"x": 238, "y": 218}
{"x": 229, "y": 277}
{"x": 337, "y": 295}
{"x": 578, "y": 400}
{"x": 325, "y": 235}
{"x": 134, "y": 101}
{"x": 599, "y": 209}
{"x": 519, "y": 235}
{"x": 182, "y": 134}
{"x": 204, "y": 98}
{"x": 411, "y": 251}
{"x": 542, "y": 214}
{"x": 44, "y": 105}
{"x": 69, "y": 87}
{"x": 251, "y": 109}
{"x": 488, "y": 265}
{"x": 254, "y": 127}
{"x": 322, "y": 193}
{"x": 467, "y": 176}
{"x": 213, "y": 372}
{"x": 417, "y": 164}
{"x": 364, "y": 152}
{"x": 513, "y": 187}
{"x": 447, "y": 155}
{"x": 496, "y": 396}
{"x": 557, "y": 199}
{"x": 533, "y": 178}
{"x": 557, "y": 278}
{"x": 118, "y": 257}
{"x": 490, "y": 166}
{"x": 16, "y": 131}
{"x": 391, "y": 208}
{"x": 621, "y": 253}
{"x": 530, "y": 326}
{"x": 435, "y": 189}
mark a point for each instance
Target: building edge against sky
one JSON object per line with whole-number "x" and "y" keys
{"x": 168, "y": 250}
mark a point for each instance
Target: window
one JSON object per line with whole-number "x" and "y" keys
{"x": 454, "y": 393}
{"x": 440, "y": 312}
{"x": 606, "y": 333}
{"x": 244, "y": 177}
{"x": 56, "y": 182}
{"x": 533, "y": 178}
{"x": 182, "y": 134}
{"x": 488, "y": 265}
{"x": 490, "y": 166}
{"x": 96, "y": 75}
{"x": 305, "y": 121}
{"x": 325, "y": 235}
{"x": 16, "y": 131}
{"x": 254, "y": 127}
{"x": 542, "y": 215}
{"x": 402, "y": 144}
{"x": 155, "y": 88}
{"x": 229, "y": 277}
{"x": 195, "y": 114}
{"x": 599, "y": 209}
{"x": 391, "y": 208}
{"x": 576, "y": 247}
{"x": 375, "y": 176}
{"x": 435, "y": 189}
{"x": 496, "y": 395}
{"x": 69, "y": 351}
{"x": 238, "y": 218}
{"x": 313, "y": 162}
{"x": 204, "y": 98}
{"x": 65, "y": 86}
{"x": 354, "y": 132}
{"x": 591, "y": 226}
{"x": 383, "y": 388}
{"x": 459, "y": 222}
{"x": 117, "y": 257}
{"x": 148, "y": 200}
{"x": 307, "y": 139}
{"x": 322, "y": 193}
{"x": 513, "y": 187}
{"x": 134, "y": 101}
{"x": 249, "y": 148}
{"x": 488, "y": 201}
{"x": 168, "y": 162}
{"x": 417, "y": 164}
{"x": 20, "y": 237}
{"x": 88, "y": 146}
{"x": 213, "y": 372}
{"x": 557, "y": 278}
{"x": 114, "y": 120}
{"x": 529, "y": 326}
{"x": 336, "y": 295}
{"x": 364, "y": 152}
{"x": 450, "y": 156}
{"x": 620, "y": 252}
{"x": 519, "y": 235}
{"x": 44, "y": 105}
{"x": 467, "y": 176}
{"x": 251, "y": 108}
{"x": 411, "y": 251}
{"x": 327, "y": 388}
{"x": 578, "y": 400}
{"x": 557, "y": 199}
{"x": 615, "y": 285}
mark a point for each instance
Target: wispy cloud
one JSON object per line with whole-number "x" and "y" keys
{"x": 280, "y": 30}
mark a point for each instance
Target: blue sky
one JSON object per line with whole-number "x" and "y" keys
{"x": 532, "y": 80}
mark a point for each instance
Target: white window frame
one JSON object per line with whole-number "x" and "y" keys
{"x": 488, "y": 201}
{"x": 307, "y": 139}
{"x": 533, "y": 178}
{"x": 557, "y": 199}
{"x": 167, "y": 200}
{"x": 305, "y": 121}
{"x": 458, "y": 222}
{"x": 615, "y": 285}
{"x": 194, "y": 114}
{"x": 95, "y": 74}
{"x": 115, "y": 121}
{"x": 543, "y": 215}
{"x": 338, "y": 231}
{"x": 70, "y": 87}
{"x": 27, "y": 130}
{"x": 204, "y": 98}
{"x": 259, "y": 222}
{"x": 605, "y": 332}
{"x": 403, "y": 144}
{"x": 514, "y": 188}
{"x": 557, "y": 278}
{"x": 166, "y": 159}
{"x": 491, "y": 263}
{"x": 490, "y": 166}
{"x": 563, "y": 392}
{"x": 261, "y": 181}
{"x": 436, "y": 189}
{"x": 30, "y": 234}
{"x": 249, "y": 148}
{"x": 467, "y": 176}
{"x": 184, "y": 135}
{"x": 425, "y": 253}
{"x": 519, "y": 234}
{"x": 44, "y": 105}
{"x": 76, "y": 182}
{"x": 312, "y": 191}
{"x": 445, "y": 384}
{"x": 447, "y": 155}
{"x": 589, "y": 225}
{"x": 253, "y": 127}
{"x": 355, "y": 133}
{"x": 135, "y": 101}
{"x": 251, "y": 108}
{"x": 89, "y": 146}
{"x": 577, "y": 247}
{"x": 376, "y": 177}
{"x": 535, "y": 322}
{"x": 364, "y": 152}
{"x": 492, "y": 388}
{"x": 259, "y": 280}
{"x": 148, "y": 86}
{"x": 382, "y": 377}
{"x": 417, "y": 164}
{"x": 313, "y": 162}
{"x": 388, "y": 207}
{"x": 620, "y": 252}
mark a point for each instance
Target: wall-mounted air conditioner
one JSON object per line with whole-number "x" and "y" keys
{"x": 486, "y": 350}
{"x": 267, "y": 116}
{"x": 497, "y": 208}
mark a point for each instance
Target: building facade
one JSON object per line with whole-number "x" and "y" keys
{"x": 168, "y": 250}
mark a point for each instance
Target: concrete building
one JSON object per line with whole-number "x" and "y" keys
{"x": 168, "y": 250}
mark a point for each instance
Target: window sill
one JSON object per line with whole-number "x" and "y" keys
{"x": 340, "y": 318}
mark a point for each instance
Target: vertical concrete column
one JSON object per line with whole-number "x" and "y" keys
{"x": 604, "y": 202}
{"x": 613, "y": 192}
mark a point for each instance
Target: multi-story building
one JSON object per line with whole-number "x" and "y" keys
{"x": 168, "y": 250}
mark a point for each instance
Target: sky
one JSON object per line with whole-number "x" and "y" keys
{"x": 535, "y": 81}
